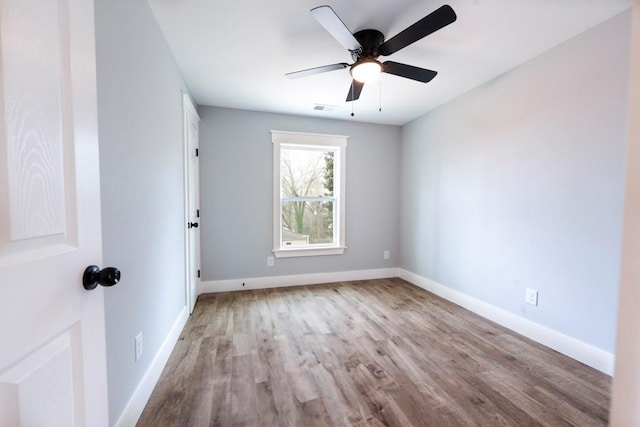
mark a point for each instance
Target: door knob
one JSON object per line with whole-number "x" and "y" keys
{"x": 93, "y": 277}
{"x": 193, "y": 224}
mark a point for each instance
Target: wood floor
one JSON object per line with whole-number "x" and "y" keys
{"x": 367, "y": 353}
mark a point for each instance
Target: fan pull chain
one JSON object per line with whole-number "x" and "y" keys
{"x": 380, "y": 100}
{"x": 352, "y": 100}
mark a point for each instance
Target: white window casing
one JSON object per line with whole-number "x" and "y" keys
{"x": 338, "y": 144}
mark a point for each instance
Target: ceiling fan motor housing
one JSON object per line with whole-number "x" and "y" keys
{"x": 370, "y": 40}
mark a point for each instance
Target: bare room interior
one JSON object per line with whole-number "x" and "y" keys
{"x": 465, "y": 255}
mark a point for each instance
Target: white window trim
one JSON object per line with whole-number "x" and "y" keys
{"x": 296, "y": 138}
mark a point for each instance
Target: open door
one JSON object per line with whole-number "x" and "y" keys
{"x": 191, "y": 125}
{"x": 52, "y": 339}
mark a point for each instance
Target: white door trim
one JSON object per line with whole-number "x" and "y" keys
{"x": 625, "y": 394}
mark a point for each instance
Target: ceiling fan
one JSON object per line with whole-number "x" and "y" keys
{"x": 366, "y": 46}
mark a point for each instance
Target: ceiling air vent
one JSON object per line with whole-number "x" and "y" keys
{"x": 324, "y": 107}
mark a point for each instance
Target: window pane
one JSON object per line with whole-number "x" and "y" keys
{"x": 306, "y": 172}
{"x": 307, "y": 223}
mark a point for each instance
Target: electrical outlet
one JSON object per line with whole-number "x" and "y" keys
{"x": 531, "y": 296}
{"x": 386, "y": 255}
{"x": 269, "y": 261}
{"x": 139, "y": 347}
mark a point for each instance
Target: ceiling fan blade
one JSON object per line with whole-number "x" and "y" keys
{"x": 354, "y": 91}
{"x": 431, "y": 23}
{"x": 316, "y": 70}
{"x": 409, "y": 71}
{"x": 334, "y": 25}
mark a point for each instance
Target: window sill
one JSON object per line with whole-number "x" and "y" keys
{"x": 296, "y": 252}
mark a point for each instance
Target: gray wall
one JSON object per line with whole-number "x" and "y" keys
{"x": 236, "y": 194}
{"x": 140, "y": 129}
{"x": 519, "y": 183}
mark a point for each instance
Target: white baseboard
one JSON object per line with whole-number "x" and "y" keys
{"x": 294, "y": 280}
{"x": 581, "y": 351}
{"x": 136, "y": 404}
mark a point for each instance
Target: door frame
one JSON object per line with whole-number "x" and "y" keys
{"x": 625, "y": 389}
{"x": 189, "y": 113}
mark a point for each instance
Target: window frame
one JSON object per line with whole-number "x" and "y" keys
{"x": 293, "y": 139}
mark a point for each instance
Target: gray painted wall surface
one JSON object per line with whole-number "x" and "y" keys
{"x": 140, "y": 129}
{"x": 519, "y": 184}
{"x": 236, "y": 191}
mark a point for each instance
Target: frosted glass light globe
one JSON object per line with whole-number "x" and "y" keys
{"x": 366, "y": 71}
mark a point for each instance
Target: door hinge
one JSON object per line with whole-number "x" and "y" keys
{"x": 197, "y": 152}
{"x": 198, "y": 273}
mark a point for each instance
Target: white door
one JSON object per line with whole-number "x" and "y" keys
{"x": 192, "y": 171}
{"x": 52, "y": 339}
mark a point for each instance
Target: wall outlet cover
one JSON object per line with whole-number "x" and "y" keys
{"x": 531, "y": 296}
{"x": 139, "y": 346}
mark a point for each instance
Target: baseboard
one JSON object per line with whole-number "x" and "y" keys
{"x": 141, "y": 395}
{"x": 576, "y": 349}
{"x": 294, "y": 280}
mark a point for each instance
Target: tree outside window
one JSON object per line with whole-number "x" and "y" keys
{"x": 307, "y": 193}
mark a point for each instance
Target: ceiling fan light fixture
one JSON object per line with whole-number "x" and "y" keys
{"x": 367, "y": 71}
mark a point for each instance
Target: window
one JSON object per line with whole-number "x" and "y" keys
{"x": 309, "y": 189}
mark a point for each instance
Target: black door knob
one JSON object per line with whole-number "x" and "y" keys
{"x": 93, "y": 277}
{"x": 193, "y": 224}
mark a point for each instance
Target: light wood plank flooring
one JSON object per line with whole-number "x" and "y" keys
{"x": 366, "y": 353}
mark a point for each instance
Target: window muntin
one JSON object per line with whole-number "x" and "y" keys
{"x": 309, "y": 194}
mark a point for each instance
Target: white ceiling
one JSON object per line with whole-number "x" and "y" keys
{"x": 235, "y": 53}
